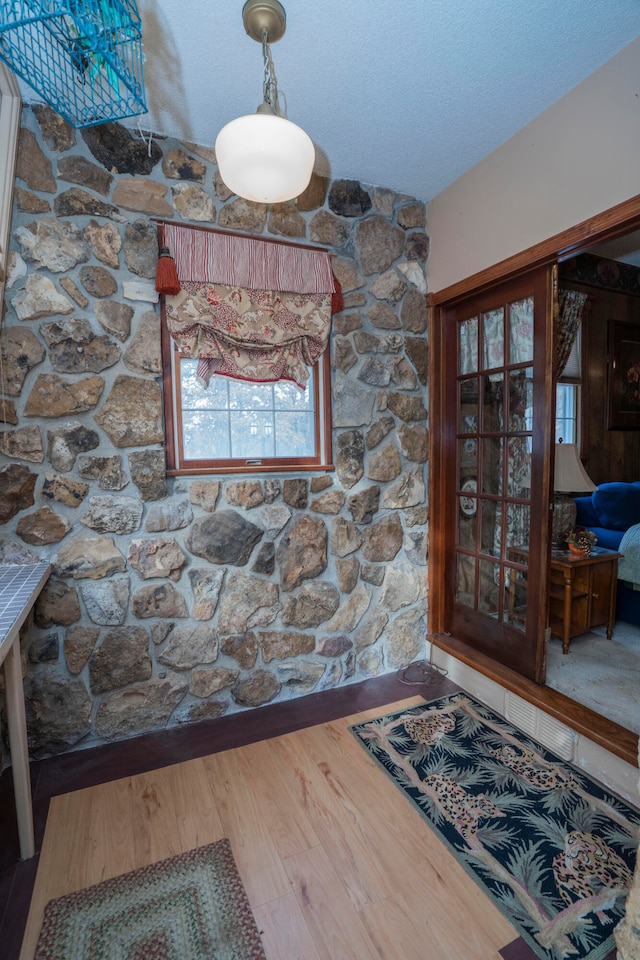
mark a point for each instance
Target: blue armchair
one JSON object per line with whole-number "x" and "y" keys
{"x": 609, "y": 512}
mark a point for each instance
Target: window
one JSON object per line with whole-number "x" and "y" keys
{"x": 235, "y": 426}
{"x": 568, "y": 394}
{"x": 250, "y": 309}
{"x": 567, "y": 404}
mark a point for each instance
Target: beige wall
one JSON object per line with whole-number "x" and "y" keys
{"x": 580, "y": 157}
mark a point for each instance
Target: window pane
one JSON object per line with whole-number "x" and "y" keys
{"x": 490, "y": 527}
{"x": 468, "y": 351}
{"x": 249, "y": 396}
{"x": 288, "y": 396}
{"x": 520, "y": 399}
{"x": 521, "y": 331}
{"x": 518, "y": 524}
{"x": 516, "y": 598}
{"x": 205, "y": 436}
{"x": 465, "y": 580}
{"x": 468, "y": 462}
{"x": 489, "y": 587}
{"x": 294, "y": 434}
{"x": 519, "y": 467}
{"x": 195, "y": 395}
{"x": 492, "y": 448}
{"x": 493, "y": 403}
{"x": 566, "y": 412}
{"x": 262, "y": 436}
{"x": 468, "y": 406}
{"x": 493, "y": 338}
{"x": 251, "y": 433}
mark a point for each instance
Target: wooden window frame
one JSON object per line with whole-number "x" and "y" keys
{"x": 177, "y": 466}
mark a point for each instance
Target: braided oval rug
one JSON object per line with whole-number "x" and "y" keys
{"x": 189, "y": 907}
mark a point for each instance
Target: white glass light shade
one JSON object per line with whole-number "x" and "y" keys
{"x": 264, "y": 158}
{"x": 569, "y": 474}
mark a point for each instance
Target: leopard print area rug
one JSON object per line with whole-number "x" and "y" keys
{"x": 552, "y": 848}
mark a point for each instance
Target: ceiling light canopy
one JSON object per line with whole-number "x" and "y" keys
{"x": 263, "y": 156}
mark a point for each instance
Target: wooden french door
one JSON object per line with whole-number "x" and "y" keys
{"x": 490, "y": 478}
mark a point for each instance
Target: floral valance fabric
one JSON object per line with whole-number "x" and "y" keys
{"x": 258, "y": 335}
{"x": 248, "y": 308}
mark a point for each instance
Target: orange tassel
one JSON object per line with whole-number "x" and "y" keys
{"x": 337, "y": 302}
{"x": 166, "y": 274}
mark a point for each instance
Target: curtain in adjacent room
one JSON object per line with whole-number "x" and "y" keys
{"x": 251, "y": 309}
{"x": 571, "y": 304}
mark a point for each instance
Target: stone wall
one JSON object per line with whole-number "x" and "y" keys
{"x": 177, "y": 599}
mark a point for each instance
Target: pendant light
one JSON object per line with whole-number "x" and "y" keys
{"x": 264, "y": 157}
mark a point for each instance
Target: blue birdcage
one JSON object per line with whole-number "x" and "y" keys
{"x": 84, "y": 57}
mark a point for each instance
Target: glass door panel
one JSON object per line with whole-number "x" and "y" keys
{"x": 468, "y": 346}
{"x": 468, "y": 406}
{"x": 491, "y": 528}
{"x": 501, "y": 454}
{"x": 493, "y": 338}
{"x": 521, "y": 331}
{"x": 493, "y": 403}
{"x": 465, "y": 580}
{"x": 492, "y": 448}
{"x": 489, "y": 593}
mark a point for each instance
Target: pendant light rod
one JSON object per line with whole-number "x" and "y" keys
{"x": 269, "y": 84}
{"x": 264, "y": 157}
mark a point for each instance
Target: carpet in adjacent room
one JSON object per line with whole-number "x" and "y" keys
{"x": 602, "y": 674}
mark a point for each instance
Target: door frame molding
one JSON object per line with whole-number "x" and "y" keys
{"x": 620, "y": 219}
{"x": 611, "y": 223}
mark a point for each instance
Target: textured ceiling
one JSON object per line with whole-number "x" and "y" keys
{"x": 407, "y": 95}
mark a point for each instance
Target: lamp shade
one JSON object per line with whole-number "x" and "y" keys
{"x": 569, "y": 474}
{"x": 265, "y": 158}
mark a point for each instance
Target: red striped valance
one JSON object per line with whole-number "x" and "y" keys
{"x": 204, "y": 256}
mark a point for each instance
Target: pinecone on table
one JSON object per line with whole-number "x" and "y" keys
{"x": 584, "y": 543}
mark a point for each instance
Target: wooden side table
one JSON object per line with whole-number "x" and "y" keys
{"x": 19, "y": 589}
{"x": 582, "y": 593}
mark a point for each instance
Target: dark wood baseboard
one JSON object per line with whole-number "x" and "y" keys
{"x": 614, "y": 738}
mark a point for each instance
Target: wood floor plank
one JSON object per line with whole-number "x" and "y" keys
{"x": 173, "y": 812}
{"x": 112, "y": 833}
{"x": 241, "y": 816}
{"x": 284, "y": 932}
{"x": 398, "y": 933}
{"x": 288, "y": 824}
{"x": 68, "y": 827}
{"x": 335, "y": 924}
{"x": 336, "y": 826}
{"x": 198, "y": 820}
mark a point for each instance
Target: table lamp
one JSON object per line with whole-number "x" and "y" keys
{"x": 569, "y": 477}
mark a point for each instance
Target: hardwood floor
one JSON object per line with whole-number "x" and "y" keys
{"x": 336, "y": 863}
